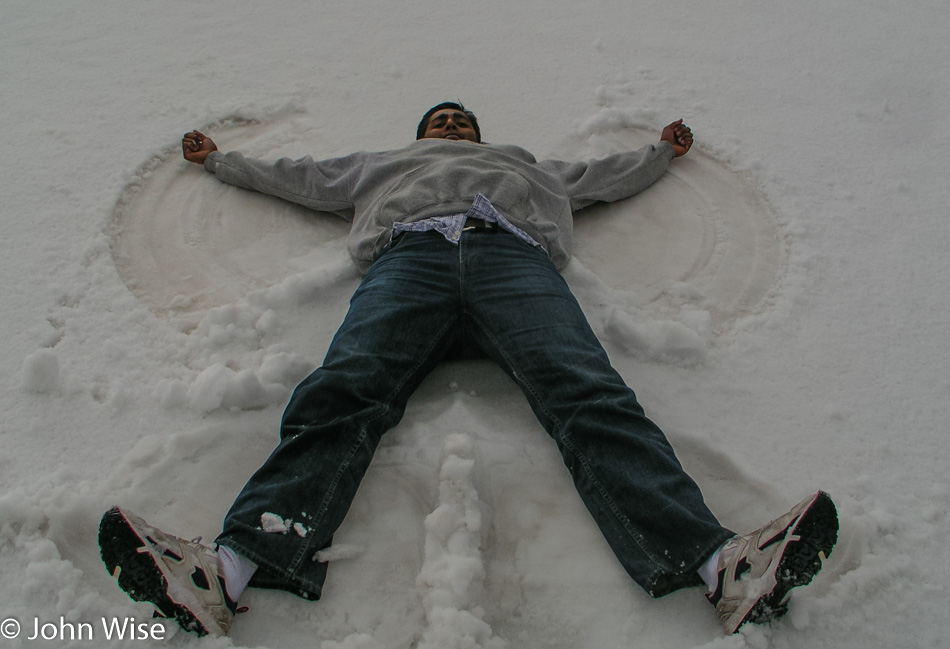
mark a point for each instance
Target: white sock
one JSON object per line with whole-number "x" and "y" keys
{"x": 709, "y": 571}
{"x": 236, "y": 570}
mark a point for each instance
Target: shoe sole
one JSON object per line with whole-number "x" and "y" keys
{"x": 817, "y": 529}
{"x": 136, "y": 571}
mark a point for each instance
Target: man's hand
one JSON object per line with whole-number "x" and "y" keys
{"x": 196, "y": 146}
{"x": 679, "y": 135}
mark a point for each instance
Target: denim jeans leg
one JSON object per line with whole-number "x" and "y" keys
{"x": 650, "y": 511}
{"x": 401, "y": 320}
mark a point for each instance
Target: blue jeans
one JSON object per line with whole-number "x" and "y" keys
{"x": 416, "y": 303}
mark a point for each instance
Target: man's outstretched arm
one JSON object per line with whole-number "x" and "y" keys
{"x": 322, "y": 186}
{"x": 622, "y": 175}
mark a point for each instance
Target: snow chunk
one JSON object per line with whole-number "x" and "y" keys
{"x": 207, "y": 392}
{"x": 665, "y": 341}
{"x": 284, "y": 368}
{"x": 41, "y": 372}
{"x": 355, "y": 641}
{"x": 268, "y": 322}
{"x": 172, "y": 393}
{"x": 257, "y": 380}
{"x": 221, "y": 387}
{"x": 274, "y": 524}
{"x": 453, "y": 572}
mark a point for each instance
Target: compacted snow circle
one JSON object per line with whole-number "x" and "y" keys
{"x": 183, "y": 242}
{"x": 702, "y": 234}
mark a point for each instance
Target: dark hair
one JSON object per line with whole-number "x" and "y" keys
{"x": 421, "y": 130}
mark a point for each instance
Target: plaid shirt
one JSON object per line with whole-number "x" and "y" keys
{"x": 451, "y": 226}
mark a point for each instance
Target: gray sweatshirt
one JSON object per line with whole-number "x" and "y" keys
{"x": 434, "y": 177}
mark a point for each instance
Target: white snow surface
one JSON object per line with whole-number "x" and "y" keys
{"x": 778, "y": 301}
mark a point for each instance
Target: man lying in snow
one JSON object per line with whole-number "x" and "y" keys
{"x": 461, "y": 242}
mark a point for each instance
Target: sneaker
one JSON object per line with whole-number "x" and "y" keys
{"x": 757, "y": 570}
{"x": 180, "y": 578}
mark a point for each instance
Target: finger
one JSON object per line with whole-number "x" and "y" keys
{"x": 193, "y": 141}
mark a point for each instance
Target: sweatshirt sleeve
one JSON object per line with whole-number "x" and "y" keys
{"x": 324, "y": 186}
{"x": 612, "y": 178}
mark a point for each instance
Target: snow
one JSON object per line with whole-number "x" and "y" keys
{"x": 274, "y": 524}
{"x": 777, "y": 301}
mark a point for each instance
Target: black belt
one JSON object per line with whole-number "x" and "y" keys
{"x": 480, "y": 226}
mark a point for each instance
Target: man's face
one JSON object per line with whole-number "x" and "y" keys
{"x": 450, "y": 124}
